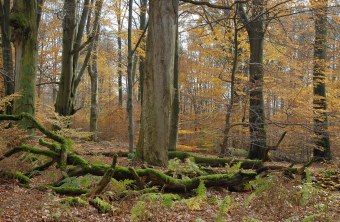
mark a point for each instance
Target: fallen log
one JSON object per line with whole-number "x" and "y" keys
{"x": 72, "y": 164}
{"x": 208, "y": 161}
{"x": 216, "y": 162}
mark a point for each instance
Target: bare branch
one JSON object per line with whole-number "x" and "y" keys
{"x": 229, "y": 7}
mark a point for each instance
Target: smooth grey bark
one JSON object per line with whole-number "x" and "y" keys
{"x": 176, "y": 103}
{"x": 80, "y": 32}
{"x": 120, "y": 57}
{"x": 93, "y": 72}
{"x": 158, "y": 83}
{"x": 255, "y": 26}
{"x": 63, "y": 104}
{"x": 72, "y": 35}
{"x": 322, "y": 144}
{"x": 8, "y": 72}
{"x": 142, "y": 26}
{"x": 130, "y": 81}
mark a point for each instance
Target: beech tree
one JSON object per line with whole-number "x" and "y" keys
{"x": 255, "y": 26}
{"x": 322, "y": 145}
{"x": 158, "y": 83}
{"x": 7, "y": 57}
{"x": 142, "y": 26}
{"x": 24, "y": 21}
{"x": 73, "y": 33}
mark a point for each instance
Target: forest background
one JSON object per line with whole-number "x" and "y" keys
{"x": 206, "y": 54}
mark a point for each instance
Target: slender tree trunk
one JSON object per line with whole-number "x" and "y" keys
{"x": 224, "y": 144}
{"x": 72, "y": 36}
{"x": 120, "y": 61}
{"x": 25, "y": 33}
{"x": 7, "y": 51}
{"x": 158, "y": 83}
{"x": 142, "y": 26}
{"x": 322, "y": 144}
{"x": 130, "y": 81}
{"x": 93, "y": 72}
{"x": 175, "y": 105}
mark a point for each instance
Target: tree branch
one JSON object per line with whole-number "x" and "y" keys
{"x": 140, "y": 38}
{"x": 213, "y": 5}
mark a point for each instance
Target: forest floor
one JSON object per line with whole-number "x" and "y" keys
{"x": 276, "y": 198}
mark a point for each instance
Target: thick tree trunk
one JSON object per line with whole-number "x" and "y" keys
{"x": 158, "y": 83}
{"x": 175, "y": 105}
{"x": 322, "y": 144}
{"x": 72, "y": 35}
{"x": 256, "y": 104}
{"x": 25, "y": 31}
{"x": 7, "y": 51}
{"x": 63, "y": 105}
{"x": 255, "y": 27}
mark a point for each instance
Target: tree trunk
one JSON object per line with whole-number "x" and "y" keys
{"x": 93, "y": 72}
{"x": 142, "y": 26}
{"x": 224, "y": 144}
{"x": 72, "y": 36}
{"x": 158, "y": 83}
{"x": 256, "y": 104}
{"x": 120, "y": 59}
{"x": 175, "y": 105}
{"x": 7, "y": 50}
{"x": 322, "y": 144}
{"x": 25, "y": 31}
{"x": 130, "y": 81}
{"x": 63, "y": 105}
{"x": 255, "y": 27}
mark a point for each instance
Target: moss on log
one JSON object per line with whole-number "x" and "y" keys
{"x": 170, "y": 183}
{"x": 30, "y": 149}
{"x": 245, "y": 164}
{"x": 16, "y": 175}
{"x": 50, "y": 134}
{"x": 52, "y": 146}
{"x": 105, "y": 179}
{"x": 68, "y": 190}
{"x": 101, "y": 205}
{"x": 159, "y": 178}
{"x": 76, "y": 160}
{"x": 65, "y": 144}
{"x": 74, "y": 201}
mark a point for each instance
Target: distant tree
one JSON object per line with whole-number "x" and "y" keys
{"x": 322, "y": 144}
{"x": 93, "y": 72}
{"x": 130, "y": 81}
{"x": 73, "y": 33}
{"x": 158, "y": 83}
{"x": 118, "y": 8}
